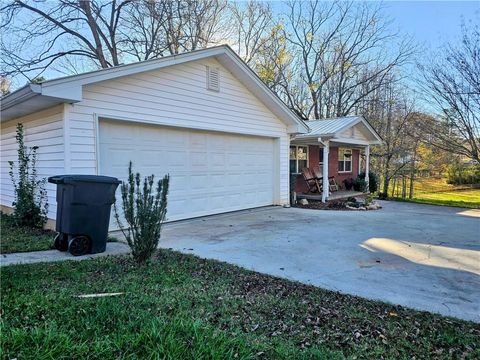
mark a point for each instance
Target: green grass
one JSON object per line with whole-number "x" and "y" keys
{"x": 183, "y": 307}
{"x": 22, "y": 239}
{"x": 436, "y": 191}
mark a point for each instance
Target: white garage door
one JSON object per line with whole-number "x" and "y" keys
{"x": 210, "y": 172}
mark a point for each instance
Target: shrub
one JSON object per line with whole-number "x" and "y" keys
{"x": 459, "y": 174}
{"x": 348, "y": 183}
{"x": 372, "y": 181}
{"x": 144, "y": 209}
{"x": 30, "y": 204}
{"x": 360, "y": 184}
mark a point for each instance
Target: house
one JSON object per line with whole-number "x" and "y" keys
{"x": 345, "y": 143}
{"x": 203, "y": 116}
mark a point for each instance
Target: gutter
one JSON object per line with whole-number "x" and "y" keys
{"x": 20, "y": 95}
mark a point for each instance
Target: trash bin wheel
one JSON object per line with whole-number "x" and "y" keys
{"x": 79, "y": 245}
{"x": 61, "y": 242}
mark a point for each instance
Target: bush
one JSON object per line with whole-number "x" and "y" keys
{"x": 31, "y": 204}
{"x": 360, "y": 184}
{"x": 144, "y": 213}
{"x": 459, "y": 174}
{"x": 348, "y": 183}
{"x": 372, "y": 181}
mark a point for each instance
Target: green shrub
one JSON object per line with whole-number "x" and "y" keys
{"x": 372, "y": 181}
{"x": 30, "y": 204}
{"x": 144, "y": 209}
{"x": 460, "y": 174}
{"x": 360, "y": 184}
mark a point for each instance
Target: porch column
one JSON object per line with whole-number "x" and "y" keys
{"x": 367, "y": 164}
{"x": 325, "y": 192}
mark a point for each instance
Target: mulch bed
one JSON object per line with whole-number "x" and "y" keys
{"x": 329, "y": 205}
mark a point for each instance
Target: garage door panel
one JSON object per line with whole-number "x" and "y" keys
{"x": 209, "y": 172}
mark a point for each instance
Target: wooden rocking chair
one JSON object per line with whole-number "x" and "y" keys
{"x": 312, "y": 182}
{"x": 332, "y": 184}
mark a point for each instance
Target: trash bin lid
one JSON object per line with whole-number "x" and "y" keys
{"x": 64, "y": 179}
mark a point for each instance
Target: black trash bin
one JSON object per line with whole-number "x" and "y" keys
{"x": 83, "y": 212}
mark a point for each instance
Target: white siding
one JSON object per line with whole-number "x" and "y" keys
{"x": 45, "y": 130}
{"x": 356, "y": 132}
{"x": 174, "y": 96}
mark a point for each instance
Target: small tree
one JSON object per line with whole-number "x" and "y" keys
{"x": 144, "y": 209}
{"x": 31, "y": 204}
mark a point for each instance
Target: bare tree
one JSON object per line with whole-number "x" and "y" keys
{"x": 390, "y": 110}
{"x": 107, "y": 32}
{"x": 252, "y": 28}
{"x": 59, "y": 29}
{"x": 157, "y": 28}
{"x": 340, "y": 49}
{"x": 452, "y": 82}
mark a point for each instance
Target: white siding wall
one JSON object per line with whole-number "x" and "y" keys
{"x": 175, "y": 96}
{"x": 356, "y": 132}
{"x": 45, "y": 130}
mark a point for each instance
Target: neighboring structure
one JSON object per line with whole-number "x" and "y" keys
{"x": 204, "y": 117}
{"x": 345, "y": 143}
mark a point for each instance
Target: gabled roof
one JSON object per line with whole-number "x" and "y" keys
{"x": 331, "y": 126}
{"x": 36, "y": 97}
{"x": 331, "y": 129}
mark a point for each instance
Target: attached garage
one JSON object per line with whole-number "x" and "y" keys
{"x": 203, "y": 117}
{"x": 210, "y": 172}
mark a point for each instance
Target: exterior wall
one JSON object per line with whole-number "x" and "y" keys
{"x": 333, "y": 166}
{"x": 313, "y": 160}
{"x": 174, "y": 96}
{"x": 45, "y": 130}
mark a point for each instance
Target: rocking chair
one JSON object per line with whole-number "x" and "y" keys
{"x": 312, "y": 182}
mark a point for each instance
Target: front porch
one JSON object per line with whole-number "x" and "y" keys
{"x": 330, "y": 157}
{"x": 337, "y": 195}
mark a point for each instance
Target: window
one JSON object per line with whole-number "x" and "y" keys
{"x": 344, "y": 160}
{"x": 298, "y": 158}
{"x": 320, "y": 156}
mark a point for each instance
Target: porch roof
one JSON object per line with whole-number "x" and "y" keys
{"x": 340, "y": 130}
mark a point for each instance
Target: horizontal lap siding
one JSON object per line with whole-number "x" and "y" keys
{"x": 174, "y": 96}
{"x": 45, "y": 130}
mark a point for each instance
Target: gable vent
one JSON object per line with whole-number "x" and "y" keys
{"x": 213, "y": 79}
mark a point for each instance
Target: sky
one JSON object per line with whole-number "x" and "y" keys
{"x": 432, "y": 23}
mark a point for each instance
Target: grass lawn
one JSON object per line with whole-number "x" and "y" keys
{"x": 436, "y": 191}
{"x": 22, "y": 239}
{"x": 183, "y": 307}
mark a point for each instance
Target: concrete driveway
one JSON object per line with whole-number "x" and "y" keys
{"x": 420, "y": 256}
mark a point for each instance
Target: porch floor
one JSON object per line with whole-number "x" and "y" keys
{"x": 335, "y": 195}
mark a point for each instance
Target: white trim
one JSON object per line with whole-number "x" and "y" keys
{"x": 96, "y": 130}
{"x": 351, "y": 141}
{"x": 299, "y": 171}
{"x": 158, "y": 121}
{"x": 325, "y": 182}
{"x": 367, "y": 166}
{"x": 343, "y": 160}
{"x": 66, "y": 139}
